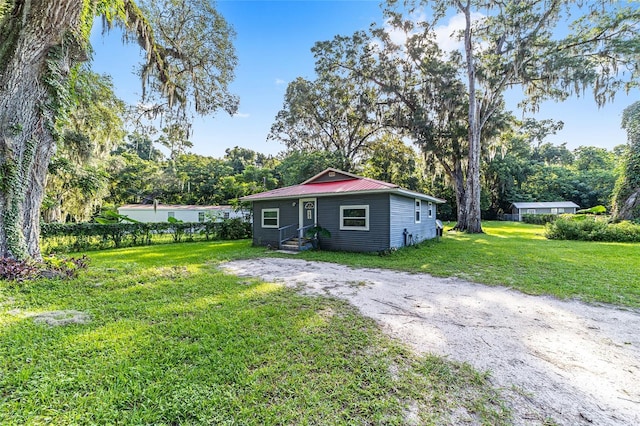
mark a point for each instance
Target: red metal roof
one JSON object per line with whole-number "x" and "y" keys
{"x": 350, "y": 184}
{"x": 343, "y": 186}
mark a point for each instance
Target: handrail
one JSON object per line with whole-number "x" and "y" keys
{"x": 288, "y": 235}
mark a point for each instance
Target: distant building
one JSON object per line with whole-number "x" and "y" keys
{"x": 554, "y": 207}
{"x": 185, "y": 213}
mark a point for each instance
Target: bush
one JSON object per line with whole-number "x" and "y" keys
{"x": 590, "y": 228}
{"x": 539, "y": 219}
{"x": 17, "y": 270}
{"x": 50, "y": 267}
{"x": 74, "y": 237}
{"x": 234, "y": 229}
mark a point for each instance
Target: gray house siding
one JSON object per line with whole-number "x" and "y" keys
{"x": 389, "y": 215}
{"x": 328, "y": 178}
{"x": 270, "y": 236}
{"x": 402, "y": 217}
{"x": 375, "y": 239}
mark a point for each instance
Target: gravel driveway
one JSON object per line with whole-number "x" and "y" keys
{"x": 561, "y": 361}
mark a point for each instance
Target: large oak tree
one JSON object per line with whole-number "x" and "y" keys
{"x": 626, "y": 196}
{"x": 189, "y": 63}
{"x": 552, "y": 49}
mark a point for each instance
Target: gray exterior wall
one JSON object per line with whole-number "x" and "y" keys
{"x": 403, "y": 217}
{"x": 375, "y": 239}
{"x": 269, "y": 236}
{"x": 389, "y": 215}
{"x": 326, "y": 178}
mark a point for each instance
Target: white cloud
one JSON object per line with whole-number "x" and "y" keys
{"x": 241, "y": 115}
{"x": 280, "y": 82}
{"x": 447, "y": 36}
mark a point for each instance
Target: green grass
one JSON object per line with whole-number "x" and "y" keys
{"x": 518, "y": 255}
{"x": 173, "y": 340}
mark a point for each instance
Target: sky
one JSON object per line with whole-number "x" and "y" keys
{"x": 273, "y": 44}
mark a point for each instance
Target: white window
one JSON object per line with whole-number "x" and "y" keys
{"x": 417, "y": 211}
{"x": 531, "y": 211}
{"x": 171, "y": 214}
{"x": 226, "y": 215}
{"x": 270, "y": 218}
{"x": 354, "y": 218}
{"x": 430, "y": 210}
{"x": 560, "y": 210}
{"x": 200, "y": 216}
{"x": 554, "y": 210}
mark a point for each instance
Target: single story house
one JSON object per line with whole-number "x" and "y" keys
{"x": 554, "y": 207}
{"x": 361, "y": 214}
{"x": 185, "y": 213}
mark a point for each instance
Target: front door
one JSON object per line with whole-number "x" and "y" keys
{"x": 308, "y": 212}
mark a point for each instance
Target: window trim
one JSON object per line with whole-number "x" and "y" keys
{"x": 417, "y": 213}
{"x": 430, "y": 209}
{"x": 344, "y": 227}
{"x": 277, "y": 218}
{"x": 201, "y": 217}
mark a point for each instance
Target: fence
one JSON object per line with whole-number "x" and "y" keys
{"x": 74, "y": 237}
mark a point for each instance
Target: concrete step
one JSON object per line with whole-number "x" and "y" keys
{"x": 292, "y": 245}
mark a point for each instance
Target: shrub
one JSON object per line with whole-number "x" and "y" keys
{"x": 50, "y": 267}
{"x": 60, "y": 267}
{"x": 74, "y": 237}
{"x": 234, "y": 229}
{"x": 539, "y": 219}
{"x": 17, "y": 270}
{"x": 590, "y": 228}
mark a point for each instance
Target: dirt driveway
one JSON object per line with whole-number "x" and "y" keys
{"x": 555, "y": 361}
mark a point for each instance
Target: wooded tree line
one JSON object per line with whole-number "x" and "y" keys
{"x": 375, "y": 89}
{"x": 526, "y": 169}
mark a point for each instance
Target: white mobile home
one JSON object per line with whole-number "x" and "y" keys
{"x": 185, "y": 213}
{"x": 519, "y": 209}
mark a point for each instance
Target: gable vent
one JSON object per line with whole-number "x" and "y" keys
{"x": 332, "y": 174}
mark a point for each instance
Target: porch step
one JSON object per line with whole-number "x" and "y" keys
{"x": 292, "y": 245}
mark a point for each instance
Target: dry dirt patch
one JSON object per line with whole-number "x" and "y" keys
{"x": 555, "y": 361}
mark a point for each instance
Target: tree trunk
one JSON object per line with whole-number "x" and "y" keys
{"x": 472, "y": 206}
{"x": 471, "y": 221}
{"x": 35, "y": 58}
{"x": 457, "y": 177}
{"x": 629, "y": 209}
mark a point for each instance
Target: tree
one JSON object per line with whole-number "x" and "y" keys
{"x": 626, "y": 197}
{"x": 189, "y": 62}
{"x": 331, "y": 114}
{"x": 77, "y": 180}
{"x": 419, "y": 95}
{"x": 391, "y": 160}
{"x": 141, "y": 145}
{"x": 297, "y": 166}
{"x": 506, "y": 44}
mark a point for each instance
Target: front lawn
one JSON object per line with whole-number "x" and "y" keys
{"x": 518, "y": 255}
{"x": 172, "y": 340}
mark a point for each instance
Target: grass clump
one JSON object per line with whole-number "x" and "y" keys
{"x": 173, "y": 340}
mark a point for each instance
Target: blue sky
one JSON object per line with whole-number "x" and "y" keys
{"x": 273, "y": 45}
